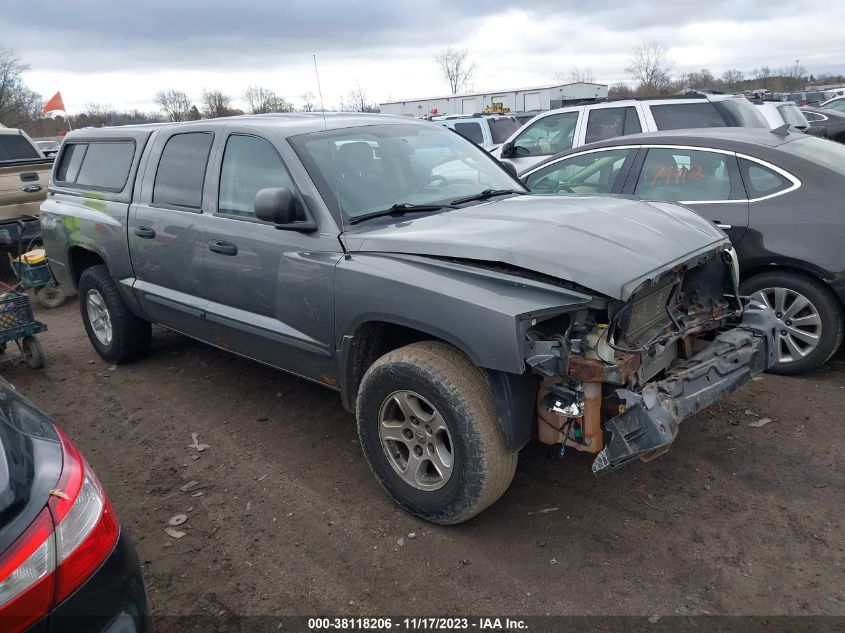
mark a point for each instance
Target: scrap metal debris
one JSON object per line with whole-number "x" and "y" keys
{"x": 189, "y": 485}
{"x": 196, "y": 443}
{"x": 178, "y": 519}
{"x": 543, "y": 511}
{"x": 761, "y": 422}
{"x": 174, "y": 533}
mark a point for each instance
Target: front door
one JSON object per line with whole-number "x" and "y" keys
{"x": 270, "y": 291}
{"x": 705, "y": 180}
{"x": 166, "y": 240}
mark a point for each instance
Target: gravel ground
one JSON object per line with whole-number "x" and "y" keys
{"x": 286, "y": 518}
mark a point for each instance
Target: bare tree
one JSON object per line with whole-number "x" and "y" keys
{"x": 358, "y": 101}
{"x": 100, "y": 114}
{"x": 650, "y": 65}
{"x": 619, "y": 90}
{"x": 174, "y": 104}
{"x": 215, "y": 103}
{"x": 733, "y": 78}
{"x": 455, "y": 66}
{"x": 763, "y": 77}
{"x": 309, "y": 104}
{"x": 794, "y": 76}
{"x": 261, "y": 100}
{"x": 18, "y": 104}
{"x": 576, "y": 75}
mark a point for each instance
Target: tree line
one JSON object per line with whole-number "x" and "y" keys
{"x": 651, "y": 69}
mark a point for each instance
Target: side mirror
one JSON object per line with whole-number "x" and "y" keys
{"x": 507, "y": 150}
{"x": 510, "y": 168}
{"x": 275, "y": 205}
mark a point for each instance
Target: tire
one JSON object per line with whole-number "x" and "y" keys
{"x": 118, "y": 335}
{"x": 822, "y": 319}
{"x": 50, "y": 296}
{"x": 445, "y": 390}
{"x": 33, "y": 353}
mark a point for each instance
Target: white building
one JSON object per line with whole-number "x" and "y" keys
{"x": 521, "y": 100}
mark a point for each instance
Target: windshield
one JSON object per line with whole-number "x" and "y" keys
{"x": 821, "y": 151}
{"x": 793, "y": 117}
{"x": 371, "y": 168}
{"x": 501, "y": 129}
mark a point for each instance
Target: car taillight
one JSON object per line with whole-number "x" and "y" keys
{"x": 65, "y": 544}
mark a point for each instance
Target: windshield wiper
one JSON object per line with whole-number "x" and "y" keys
{"x": 488, "y": 193}
{"x": 400, "y": 209}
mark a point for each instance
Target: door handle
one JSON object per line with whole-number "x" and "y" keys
{"x": 145, "y": 232}
{"x": 223, "y": 248}
{"x": 32, "y": 188}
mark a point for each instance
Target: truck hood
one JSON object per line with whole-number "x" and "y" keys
{"x": 610, "y": 244}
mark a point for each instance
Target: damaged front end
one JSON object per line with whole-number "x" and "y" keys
{"x": 618, "y": 378}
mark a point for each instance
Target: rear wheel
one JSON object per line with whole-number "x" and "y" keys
{"x": 430, "y": 433}
{"x": 808, "y": 316}
{"x": 117, "y": 334}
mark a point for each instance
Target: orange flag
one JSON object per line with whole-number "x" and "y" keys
{"x": 55, "y": 103}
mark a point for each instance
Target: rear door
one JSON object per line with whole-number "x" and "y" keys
{"x": 166, "y": 238}
{"x": 703, "y": 179}
{"x": 270, "y": 291}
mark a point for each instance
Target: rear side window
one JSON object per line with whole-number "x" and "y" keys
{"x": 606, "y": 123}
{"x": 472, "y": 131}
{"x": 250, "y": 164}
{"x": 502, "y": 128}
{"x": 181, "y": 170}
{"x": 16, "y": 147}
{"x": 761, "y": 181}
{"x": 96, "y": 165}
{"x": 679, "y": 116}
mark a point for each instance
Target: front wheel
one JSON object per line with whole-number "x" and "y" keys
{"x": 117, "y": 334}
{"x": 429, "y": 431}
{"x": 808, "y": 317}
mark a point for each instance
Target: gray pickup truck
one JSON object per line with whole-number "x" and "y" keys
{"x": 394, "y": 261}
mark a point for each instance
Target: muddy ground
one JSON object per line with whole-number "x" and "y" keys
{"x": 733, "y": 520}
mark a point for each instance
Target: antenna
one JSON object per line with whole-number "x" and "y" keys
{"x": 320, "y": 92}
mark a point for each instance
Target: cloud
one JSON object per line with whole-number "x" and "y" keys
{"x": 124, "y": 52}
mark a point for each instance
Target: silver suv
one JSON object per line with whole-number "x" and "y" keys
{"x": 485, "y": 130}
{"x": 562, "y": 129}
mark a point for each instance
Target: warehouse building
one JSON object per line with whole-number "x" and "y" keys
{"x": 522, "y": 100}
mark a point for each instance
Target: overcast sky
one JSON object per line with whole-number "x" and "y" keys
{"x": 122, "y": 53}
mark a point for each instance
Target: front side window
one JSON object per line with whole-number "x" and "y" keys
{"x": 607, "y": 123}
{"x": 595, "y": 172}
{"x": 371, "y": 168}
{"x": 683, "y": 175}
{"x": 250, "y": 164}
{"x": 472, "y": 131}
{"x": 181, "y": 170}
{"x": 549, "y": 135}
{"x": 679, "y": 116}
